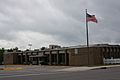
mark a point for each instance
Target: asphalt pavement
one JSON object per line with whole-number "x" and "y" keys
{"x": 54, "y": 73}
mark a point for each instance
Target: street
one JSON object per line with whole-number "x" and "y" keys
{"x": 45, "y": 74}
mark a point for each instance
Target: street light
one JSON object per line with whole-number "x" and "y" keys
{"x": 30, "y": 45}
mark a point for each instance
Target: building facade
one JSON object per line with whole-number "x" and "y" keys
{"x": 73, "y": 56}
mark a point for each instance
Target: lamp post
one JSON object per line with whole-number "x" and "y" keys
{"x": 30, "y": 45}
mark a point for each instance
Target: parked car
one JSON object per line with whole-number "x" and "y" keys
{"x": 43, "y": 63}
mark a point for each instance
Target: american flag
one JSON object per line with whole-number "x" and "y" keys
{"x": 91, "y": 18}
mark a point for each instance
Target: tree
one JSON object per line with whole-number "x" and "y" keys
{"x": 1, "y": 55}
{"x": 43, "y": 48}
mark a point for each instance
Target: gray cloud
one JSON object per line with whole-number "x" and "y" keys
{"x": 63, "y": 20}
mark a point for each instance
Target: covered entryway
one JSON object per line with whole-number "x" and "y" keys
{"x": 38, "y": 59}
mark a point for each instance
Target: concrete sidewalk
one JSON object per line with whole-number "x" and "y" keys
{"x": 87, "y": 68}
{"x": 53, "y": 68}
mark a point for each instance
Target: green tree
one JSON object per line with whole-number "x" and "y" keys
{"x": 1, "y": 55}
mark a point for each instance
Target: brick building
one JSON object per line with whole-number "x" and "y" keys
{"x": 74, "y": 56}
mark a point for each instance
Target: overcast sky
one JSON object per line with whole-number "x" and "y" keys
{"x": 61, "y": 22}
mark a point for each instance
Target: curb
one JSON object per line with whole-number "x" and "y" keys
{"x": 100, "y": 68}
{"x": 1, "y": 69}
{"x": 11, "y": 68}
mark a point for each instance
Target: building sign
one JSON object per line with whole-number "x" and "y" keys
{"x": 111, "y": 61}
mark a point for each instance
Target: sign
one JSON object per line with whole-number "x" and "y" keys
{"x": 111, "y": 61}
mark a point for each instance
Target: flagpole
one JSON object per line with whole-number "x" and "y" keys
{"x": 87, "y": 35}
{"x": 87, "y": 30}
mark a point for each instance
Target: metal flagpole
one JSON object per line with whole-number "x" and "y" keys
{"x": 87, "y": 30}
{"x": 87, "y": 35}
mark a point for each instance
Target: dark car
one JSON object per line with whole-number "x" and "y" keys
{"x": 43, "y": 63}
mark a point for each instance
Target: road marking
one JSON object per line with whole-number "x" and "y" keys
{"x": 4, "y": 74}
{"x": 23, "y": 75}
{"x": 19, "y": 75}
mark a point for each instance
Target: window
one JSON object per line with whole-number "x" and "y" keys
{"x": 76, "y": 51}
